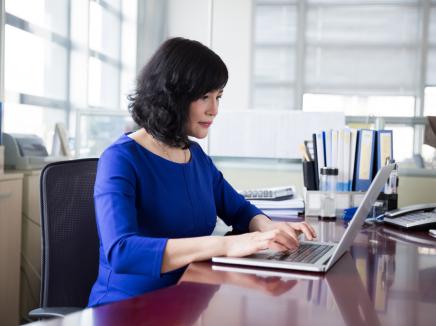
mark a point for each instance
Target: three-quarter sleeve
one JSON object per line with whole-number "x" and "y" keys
{"x": 231, "y": 207}
{"x": 114, "y": 194}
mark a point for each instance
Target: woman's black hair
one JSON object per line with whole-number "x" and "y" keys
{"x": 180, "y": 72}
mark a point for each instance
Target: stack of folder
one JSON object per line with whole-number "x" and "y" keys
{"x": 358, "y": 155}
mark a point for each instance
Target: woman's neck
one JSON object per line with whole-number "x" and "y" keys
{"x": 173, "y": 154}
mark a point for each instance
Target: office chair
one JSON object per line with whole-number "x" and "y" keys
{"x": 70, "y": 245}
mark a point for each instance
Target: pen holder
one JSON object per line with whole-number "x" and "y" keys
{"x": 309, "y": 175}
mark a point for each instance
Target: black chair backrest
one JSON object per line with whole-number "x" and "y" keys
{"x": 70, "y": 245}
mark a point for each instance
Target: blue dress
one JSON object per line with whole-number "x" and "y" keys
{"x": 142, "y": 200}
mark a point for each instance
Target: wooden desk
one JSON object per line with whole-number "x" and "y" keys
{"x": 387, "y": 278}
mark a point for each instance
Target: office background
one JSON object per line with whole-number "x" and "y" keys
{"x": 353, "y": 62}
{"x": 372, "y": 61}
{"x": 75, "y": 62}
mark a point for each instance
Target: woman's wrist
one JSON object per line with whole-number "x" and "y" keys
{"x": 260, "y": 223}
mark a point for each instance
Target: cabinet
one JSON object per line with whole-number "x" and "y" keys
{"x": 30, "y": 244}
{"x": 11, "y": 185}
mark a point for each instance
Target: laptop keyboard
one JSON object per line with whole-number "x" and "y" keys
{"x": 305, "y": 253}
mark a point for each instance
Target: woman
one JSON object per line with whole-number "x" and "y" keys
{"x": 157, "y": 194}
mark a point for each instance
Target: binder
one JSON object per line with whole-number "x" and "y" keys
{"x": 347, "y": 174}
{"x": 353, "y": 149}
{"x": 320, "y": 154}
{"x": 384, "y": 148}
{"x": 320, "y": 149}
{"x": 365, "y": 159}
{"x": 327, "y": 137}
{"x": 335, "y": 149}
{"x": 340, "y": 184}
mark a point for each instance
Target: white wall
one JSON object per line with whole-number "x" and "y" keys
{"x": 230, "y": 39}
{"x": 190, "y": 19}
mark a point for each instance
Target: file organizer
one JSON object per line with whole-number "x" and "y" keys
{"x": 357, "y": 153}
{"x": 343, "y": 200}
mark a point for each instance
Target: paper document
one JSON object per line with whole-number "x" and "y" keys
{"x": 284, "y": 214}
{"x": 294, "y": 203}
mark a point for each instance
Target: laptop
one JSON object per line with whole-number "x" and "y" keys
{"x": 316, "y": 256}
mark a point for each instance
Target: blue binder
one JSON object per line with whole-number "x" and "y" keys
{"x": 365, "y": 156}
{"x": 384, "y": 148}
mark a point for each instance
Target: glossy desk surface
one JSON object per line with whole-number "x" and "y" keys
{"x": 387, "y": 278}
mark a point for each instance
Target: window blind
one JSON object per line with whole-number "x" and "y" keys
{"x": 275, "y": 34}
{"x": 363, "y": 48}
{"x": 431, "y": 57}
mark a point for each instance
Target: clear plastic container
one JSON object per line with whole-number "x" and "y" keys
{"x": 328, "y": 181}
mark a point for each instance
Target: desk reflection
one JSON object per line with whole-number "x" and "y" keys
{"x": 272, "y": 283}
{"x": 178, "y": 305}
{"x": 281, "y": 297}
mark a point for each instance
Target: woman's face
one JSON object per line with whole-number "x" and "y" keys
{"x": 202, "y": 112}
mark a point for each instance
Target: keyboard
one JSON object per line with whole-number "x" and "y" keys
{"x": 305, "y": 253}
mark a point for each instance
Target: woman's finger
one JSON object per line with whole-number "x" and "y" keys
{"x": 306, "y": 231}
{"x": 286, "y": 239}
{"x": 277, "y": 246}
{"x": 310, "y": 227}
{"x": 304, "y": 227}
{"x": 292, "y": 232}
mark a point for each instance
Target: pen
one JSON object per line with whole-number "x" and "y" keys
{"x": 306, "y": 147}
{"x": 304, "y": 152}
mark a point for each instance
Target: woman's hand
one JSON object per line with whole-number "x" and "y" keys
{"x": 250, "y": 243}
{"x": 266, "y": 235}
{"x": 293, "y": 229}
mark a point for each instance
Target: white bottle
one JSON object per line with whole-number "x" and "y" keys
{"x": 328, "y": 183}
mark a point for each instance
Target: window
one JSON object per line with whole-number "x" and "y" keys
{"x": 355, "y": 105}
{"x": 70, "y": 61}
{"x": 362, "y": 58}
{"x": 275, "y": 38}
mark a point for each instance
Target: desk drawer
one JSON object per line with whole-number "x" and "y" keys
{"x": 31, "y": 204}
{"x": 31, "y": 244}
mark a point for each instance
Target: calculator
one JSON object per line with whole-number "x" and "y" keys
{"x": 276, "y": 193}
